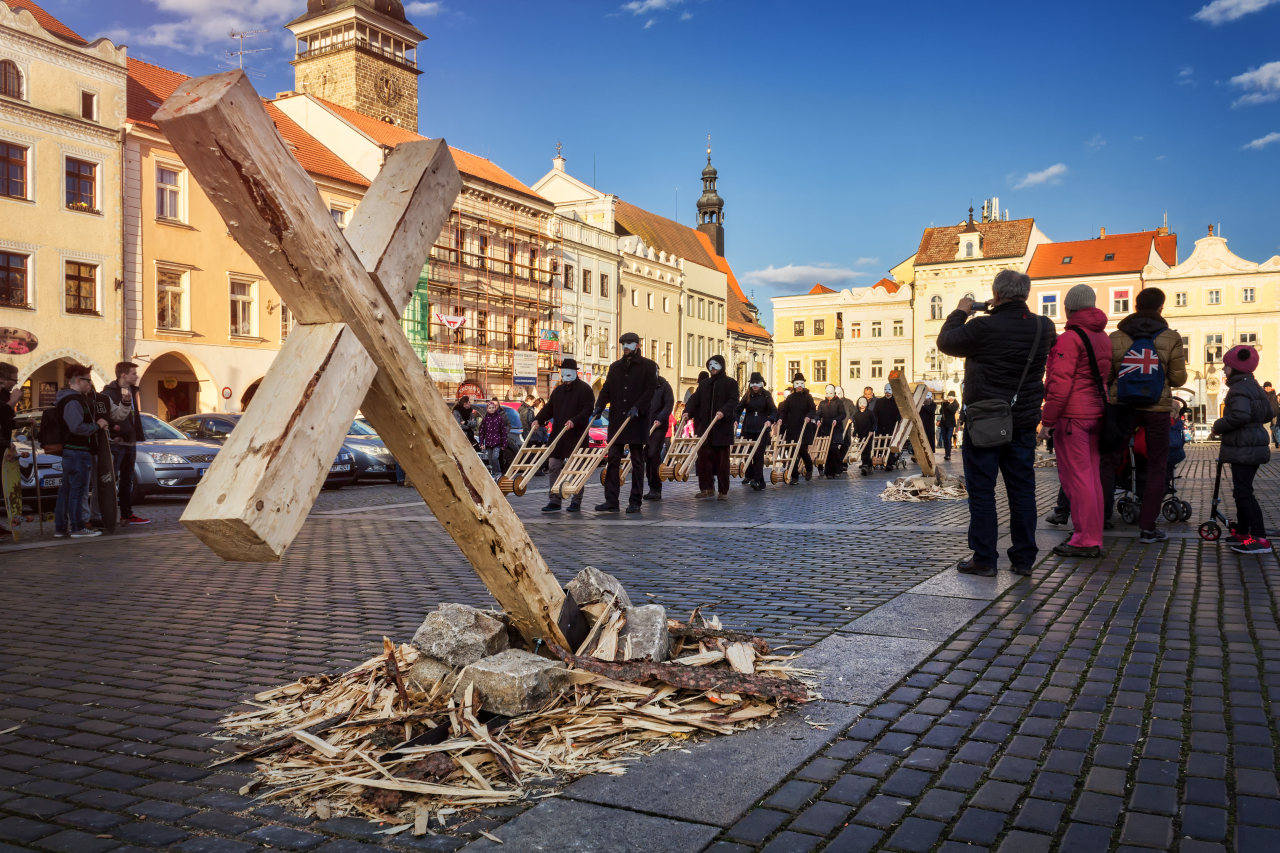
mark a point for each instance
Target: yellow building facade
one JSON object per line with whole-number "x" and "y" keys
{"x": 62, "y": 103}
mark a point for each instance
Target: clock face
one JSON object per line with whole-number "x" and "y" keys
{"x": 388, "y": 89}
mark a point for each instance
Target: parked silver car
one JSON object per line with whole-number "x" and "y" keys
{"x": 215, "y": 427}
{"x": 373, "y": 460}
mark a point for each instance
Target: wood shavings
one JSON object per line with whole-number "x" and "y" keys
{"x": 922, "y": 489}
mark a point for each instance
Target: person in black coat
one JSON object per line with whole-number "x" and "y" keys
{"x": 1245, "y": 444}
{"x": 831, "y": 422}
{"x": 664, "y": 401}
{"x": 887, "y": 418}
{"x": 569, "y": 412}
{"x": 864, "y": 426}
{"x": 692, "y": 407}
{"x": 628, "y": 392}
{"x": 928, "y": 413}
{"x": 758, "y": 414}
{"x": 950, "y": 412}
{"x": 797, "y": 413}
{"x": 713, "y": 405}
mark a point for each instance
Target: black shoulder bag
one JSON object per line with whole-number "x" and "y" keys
{"x": 1113, "y": 434}
{"x": 989, "y": 423}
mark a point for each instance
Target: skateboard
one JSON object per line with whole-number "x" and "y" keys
{"x": 13, "y": 495}
{"x": 104, "y": 471}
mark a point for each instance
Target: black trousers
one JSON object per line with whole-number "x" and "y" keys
{"x": 653, "y": 459}
{"x": 612, "y": 488}
{"x": 1249, "y": 514}
{"x": 713, "y": 465}
{"x": 866, "y": 451}
{"x": 755, "y": 467}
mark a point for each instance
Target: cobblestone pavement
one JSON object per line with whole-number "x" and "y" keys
{"x": 118, "y": 655}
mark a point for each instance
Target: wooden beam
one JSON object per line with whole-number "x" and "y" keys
{"x": 909, "y": 405}
{"x": 224, "y": 135}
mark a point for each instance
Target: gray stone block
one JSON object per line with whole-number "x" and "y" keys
{"x": 460, "y": 635}
{"x": 919, "y": 617}
{"x": 513, "y": 682}
{"x": 592, "y": 586}
{"x": 564, "y": 826}
{"x": 859, "y": 668}
{"x": 645, "y": 634}
{"x": 717, "y": 781}
{"x": 426, "y": 672}
{"x": 952, "y": 584}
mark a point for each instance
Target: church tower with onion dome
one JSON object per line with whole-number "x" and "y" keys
{"x": 362, "y": 55}
{"x": 711, "y": 206}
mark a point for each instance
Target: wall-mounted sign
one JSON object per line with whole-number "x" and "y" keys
{"x": 171, "y": 383}
{"x": 548, "y": 340}
{"x": 226, "y": 393}
{"x": 450, "y": 321}
{"x": 524, "y": 368}
{"x": 16, "y": 341}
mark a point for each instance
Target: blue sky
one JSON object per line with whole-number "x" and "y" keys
{"x": 840, "y": 130}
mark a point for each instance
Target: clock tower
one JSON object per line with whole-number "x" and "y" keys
{"x": 360, "y": 54}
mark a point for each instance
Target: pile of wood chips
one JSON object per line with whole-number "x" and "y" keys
{"x": 919, "y": 489}
{"x": 368, "y": 743}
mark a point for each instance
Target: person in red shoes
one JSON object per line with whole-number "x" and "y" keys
{"x": 126, "y": 432}
{"x": 1245, "y": 444}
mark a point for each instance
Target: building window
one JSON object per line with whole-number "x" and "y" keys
{"x": 567, "y": 339}
{"x": 81, "y": 288}
{"x": 1066, "y": 259}
{"x": 13, "y": 170}
{"x": 13, "y": 280}
{"x": 797, "y": 328}
{"x": 935, "y": 361}
{"x": 1120, "y": 302}
{"x": 793, "y": 367}
{"x": 900, "y": 366}
{"x": 1049, "y": 305}
{"x": 339, "y": 215}
{"x": 720, "y": 312}
{"x": 692, "y": 309}
{"x": 1110, "y": 256}
{"x": 688, "y": 351}
{"x": 1186, "y": 345}
{"x": 635, "y": 298}
{"x": 82, "y": 185}
{"x": 587, "y": 340}
{"x": 877, "y": 331}
{"x": 1180, "y": 300}
{"x": 897, "y": 328}
{"x": 1247, "y": 295}
{"x": 1212, "y": 348}
{"x": 666, "y": 305}
{"x": 604, "y": 288}
{"x": 668, "y": 350}
{"x": 568, "y": 277}
{"x": 855, "y": 330}
{"x": 168, "y": 193}
{"x": 286, "y": 322}
{"x": 88, "y": 106}
{"x": 1250, "y": 338}
{"x": 649, "y": 300}
{"x": 10, "y": 79}
{"x": 171, "y": 287}
{"x": 702, "y": 304}
{"x": 935, "y": 308}
{"x": 653, "y": 351}
{"x": 702, "y": 351}
{"x": 968, "y": 248}
{"x": 819, "y": 370}
{"x": 242, "y": 309}
{"x": 819, "y": 327}
{"x": 877, "y": 368}
{"x": 586, "y": 281}
{"x": 855, "y": 369}
{"x": 1215, "y": 297}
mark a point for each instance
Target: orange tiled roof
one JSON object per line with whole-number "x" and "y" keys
{"x": 889, "y": 285}
{"x": 1130, "y": 253}
{"x": 661, "y": 233}
{"x": 820, "y": 289}
{"x": 149, "y": 86}
{"x": 388, "y": 134}
{"x": 1000, "y": 239}
{"x": 49, "y": 22}
{"x": 737, "y": 318}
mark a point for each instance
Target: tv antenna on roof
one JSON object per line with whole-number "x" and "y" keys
{"x": 238, "y": 55}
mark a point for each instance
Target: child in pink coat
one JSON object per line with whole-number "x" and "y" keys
{"x": 1073, "y": 410}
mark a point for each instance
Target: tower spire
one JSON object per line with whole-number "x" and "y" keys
{"x": 711, "y": 206}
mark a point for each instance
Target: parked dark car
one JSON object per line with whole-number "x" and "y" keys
{"x": 373, "y": 460}
{"x": 216, "y": 426}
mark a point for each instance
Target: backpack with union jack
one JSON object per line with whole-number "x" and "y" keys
{"x": 1141, "y": 376}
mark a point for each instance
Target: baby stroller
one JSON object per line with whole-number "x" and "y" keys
{"x": 1131, "y": 501}
{"x": 1211, "y": 530}
{"x": 1174, "y": 508}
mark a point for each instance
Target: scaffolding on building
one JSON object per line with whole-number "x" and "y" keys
{"x": 497, "y": 266}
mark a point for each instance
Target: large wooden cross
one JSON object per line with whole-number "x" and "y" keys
{"x": 348, "y": 351}
{"x": 909, "y": 407}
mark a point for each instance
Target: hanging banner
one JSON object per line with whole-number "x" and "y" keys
{"x": 525, "y": 368}
{"x": 445, "y": 366}
{"x": 548, "y": 340}
{"x": 449, "y": 320}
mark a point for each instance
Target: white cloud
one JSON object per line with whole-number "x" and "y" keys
{"x": 1051, "y": 175}
{"x": 644, "y": 7}
{"x": 684, "y": 16}
{"x": 1097, "y": 141}
{"x": 203, "y": 25}
{"x": 862, "y": 262}
{"x": 800, "y": 274}
{"x": 1186, "y": 77}
{"x": 1263, "y": 142}
{"x": 424, "y": 10}
{"x": 1264, "y": 83}
{"x": 650, "y": 23}
{"x": 1225, "y": 11}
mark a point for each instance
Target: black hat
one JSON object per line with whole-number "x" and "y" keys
{"x": 756, "y": 377}
{"x": 568, "y": 364}
{"x": 799, "y": 377}
{"x": 629, "y": 338}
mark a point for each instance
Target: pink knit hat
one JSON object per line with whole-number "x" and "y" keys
{"x": 1243, "y": 358}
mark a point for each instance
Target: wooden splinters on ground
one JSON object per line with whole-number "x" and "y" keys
{"x": 909, "y": 407}
{"x": 220, "y": 128}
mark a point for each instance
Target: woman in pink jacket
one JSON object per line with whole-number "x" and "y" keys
{"x": 1073, "y": 411}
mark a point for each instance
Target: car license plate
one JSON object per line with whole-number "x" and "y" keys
{"x": 50, "y": 482}
{"x": 337, "y": 468}
{"x": 200, "y": 471}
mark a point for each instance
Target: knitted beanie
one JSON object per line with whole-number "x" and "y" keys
{"x": 1079, "y": 297}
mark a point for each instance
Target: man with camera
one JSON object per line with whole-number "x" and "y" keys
{"x": 1005, "y": 354}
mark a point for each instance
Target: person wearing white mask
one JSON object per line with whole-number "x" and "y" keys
{"x": 831, "y": 422}
{"x": 717, "y": 398}
{"x": 797, "y": 413}
{"x": 569, "y": 412}
{"x": 758, "y": 413}
{"x": 628, "y": 392}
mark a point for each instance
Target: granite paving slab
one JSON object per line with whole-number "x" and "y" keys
{"x": 565, "y": 826}
{"x": 931, "y": 617}
{"x": 859, "y": 668}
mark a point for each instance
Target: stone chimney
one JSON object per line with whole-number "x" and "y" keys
{"x": 1102, "y": 232}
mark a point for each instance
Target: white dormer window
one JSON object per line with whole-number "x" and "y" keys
{"x": 968, "y": 248}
